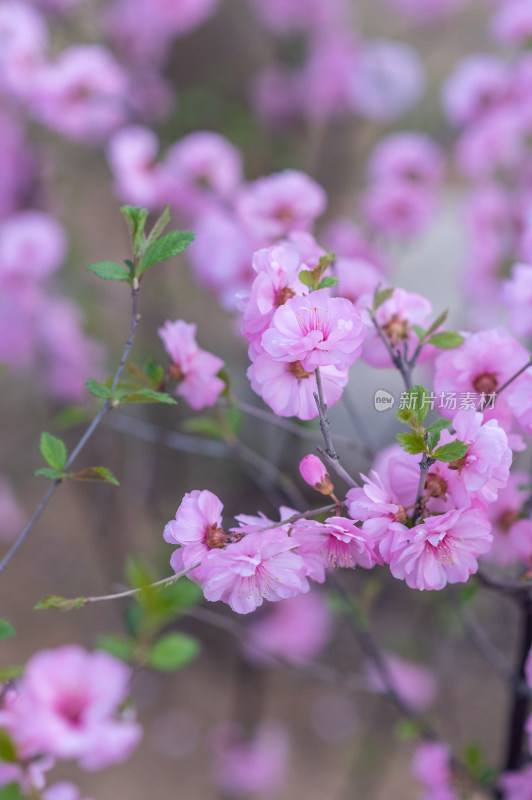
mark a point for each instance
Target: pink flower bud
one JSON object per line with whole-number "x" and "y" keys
{"x": 314, "y": 473}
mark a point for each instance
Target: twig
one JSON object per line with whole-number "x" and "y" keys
{"x": 134, "y": 592}
{"x": 329, "y": 453}
{"x": 424, "y": 466}
{"x": 397, "y": 359}
{"x": 520, "y": 701}
{"x": 108, "y": 406}
{"x": 304, "y": 515}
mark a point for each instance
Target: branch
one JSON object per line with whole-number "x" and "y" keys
{"x": 329, "y": 453}
{"x": 401, "y": 364}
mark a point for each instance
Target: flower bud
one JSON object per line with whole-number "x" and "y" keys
{"x": 314, "y": 473}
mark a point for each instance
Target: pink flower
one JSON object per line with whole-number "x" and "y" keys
{"x": 67, "y": 707}
{"x": 197, "y": 527}
{"x": 512, "y": 23}
{"x": 314, "y": 473}
{"x": 517, "y": 785}
{"x": 288, "y": 388}
{"x": 397, "y": 207}
{"x": 300, "y": 15}
{"x": 328, "y": 79}
{"x": 517, "y": 296}
{"x": 358, "y": 280}
{"x": 82, "y": 94}
{"x": 414, "y": 683}
{"x": 512, "y": 533}
{"x": 247, "y": 766}
{"x": 412, "y": 157}
{"x": 294, "y": 630}
{"x": 478, "y": 84}
{"x": 316, "y": 330}
{"x": 383, "y": 517}
{"x": 132, "y": 154}
{"x": 195, "y": 369}
{"x": 61, "y": 791}
{"x": 443, "y": 549}
{"x": 273, "y": 206}
{"x": 338, "y": 542}
{"x": 276, "y": 96}
{"x": 424, "y": 12}
{"x": 396, "y": 316}
{"x": 24, "y": 37}
{"x": 518, "y": 396}
{"x": 261, "y": 566}
{"x": 389, "y": 79}
{"x": 32, "y": 247}
{"x": 343, "y": 237}
{"x": 497, "y": 141}
{"x": 204, "y": 169}
{"x": 431, "y": 766}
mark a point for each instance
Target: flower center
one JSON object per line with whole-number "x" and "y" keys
{"x": 485, "y": 383}
{"x": 283, "y": 295}
{"x": 396, "y": 328}
{"x": 314, "y": 319}
{"x": 215, "y": 538}
{"x": 284, "y": 214}
{"x": 435, "y": 485}
{"x": 298, "y": 370}
{"x": 71, "y": 709}
{"x": 444, "y": 552}
{"x": 506, "y": 519}
{"x": 175, "y": 372}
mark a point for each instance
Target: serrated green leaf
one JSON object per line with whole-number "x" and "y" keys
{"x": 50, "y": 472}
{"x": 122, "y": 647}
{"x": 11, "y": 791}
{"x": 172, "y": 652}
{"x": 6, "y": 629}
{"x": 98, "y": 389}
{"x": 136, "y": 220}
{"x": 406, "y": 416}
{"x": 418, "y": 330}
{"x": 306, "y": 276}
{"x": 381, "y": 296}
{"x": 438, "y": 322}
{"x": 327, "y": 282}
{"x": 154, "y": 372}
{"x": 439, "y": 425}
{"x": 8, "y": 751}
{"x": 62, "y": 603}
{"x": 417, "y": 403}
{"x": 147, "y": 396}
{"x": 109, "y": 271}
{"x": 204, "y": 425}
{"x": 412, "y": 442}
{"x": 433, "y": 439}
{"x": 446, "y": 340}
{"x": 453, "y": 451}
{"x": 159, "y": 226}
{"x": 164, "y": 248}
{"x": 53, "y": 450}
{"x": 94, "y": 474}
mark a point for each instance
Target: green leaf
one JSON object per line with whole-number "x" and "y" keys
{"x": 6, "y": 629}
{"x": 172, "y": 652}
{"x": 474, "y": 758}
{"x": 306, "y": 276}
{"x": 327, "y": 282}
{"x": 159, "y": 226}
{"x": 381, "y": 296}
{"x": 138, "y": 576}
{"x": 447, "y": 340}
{"x": 420, "y": 333}
{"x": 164, "y": 248}
{"x": 11, "y": 791}
{"x": 417, "y": 404}
{"x": 434, "y": 432}
{"x": 146, "y": 396}
{"x": 406, "y": 416}
{"x": 438, "y": 322}
{"x": 8, "y": 751}
{"x": 204, "y": 425}
{"x": 98, "y": 389}
{"x": 109, "y": 271}
{"x": 412, "y": 442}
{"x": 224, "y": 376}
{"x": 408, "y": 729}
{"x": 122, "y": 647}
{"x": 450, "y": 452}
{"x": 53, "y": 450}
{"x": 467, "y": 592}
{"x": 94, "y": 474}
{"x": 154, "y": 371}
{"x": 136, "y": 220}
{"x": 184, "y": 593}
{"x": 63, "y": 603}
{"x": 50, "y": 472}
{"x": 8, "y": 673}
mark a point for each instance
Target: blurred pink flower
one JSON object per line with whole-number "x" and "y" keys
{"x": 415, "y": 684}
{"x": 512, "y": 534}
{"x": 478, "y": 84}
{"x": 431, "y": 766}
{"x": 132, "y": 155}
{"x": 517, "y": 785}
{"x": 512, "y": 23}
{"x": 413, "y": 157}
{"x": 397, "y": 207}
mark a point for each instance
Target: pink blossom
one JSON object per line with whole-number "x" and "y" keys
{"x": 300, "y": 15}
{"x": 261, "y": 566}
{"x": 411, "y": 157}
{"x": 276, "y": 96}
{"x": 245, "y": 766}
{"x": 431, "y": 766}
{"x": 82, "y": 94}
{"x": 397, "y": 207}
{"x": 358, "y": 280}
{"x": 204, "y": 168}
{"x": 197, "y": 528}
{"x": 478, "y": 84}
{"x": 518, "y": 396}
{"x": 415, "y": 684}
{"x": 289, "y": 389}
{"x": 67, "y": 707}
{"x": 314, "y": 473}
{"x": 512, "y": 534}
{"x": 517, "y": 785}
{"x": 132, "y": 154}
{"x": 195, "y": 369}
{"x": 16, "y": 164}
{"x": 480, "y": 366}
{"x": 328, "y": 80}
{"x": 396, "y": 316}
{"x": 424, "y": 12}
{"x": 61, "y": 791}
{"x": 338, "y": 542}
{"x": 512, "y": 23}
{"x": 390, "y": 79}
{"x": 497, "y": 141}
{"x": 273, "y": 206}
{"x": 24, "y": 38}
{"x": 316, "y": 330}
{"x": 294, "y": 630}
{"x": 517, "y": 296}
{"x": 443, "y": 549}
{"x": 343, "y": 237}
{"x": 32, "y": 247}
{"x": 381, "y": 513}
